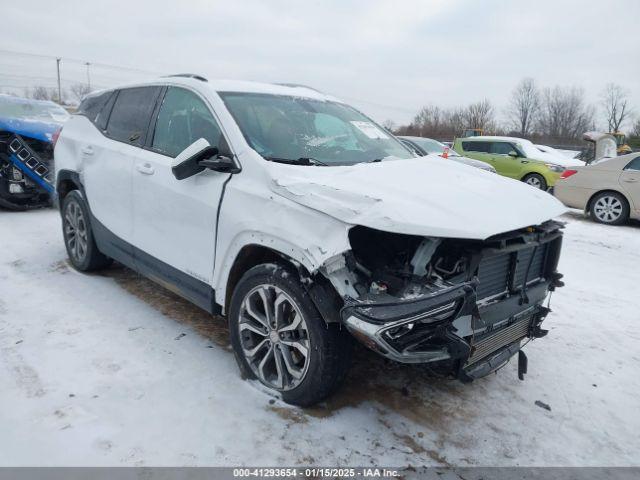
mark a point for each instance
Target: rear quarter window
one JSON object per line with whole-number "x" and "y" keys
{"x": 131, "y": 114}
{"x": 93, "y": 105}
{"x": 482, "y": 147}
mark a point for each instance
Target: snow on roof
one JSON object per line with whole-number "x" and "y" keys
{"x": 222, "y": 85}
{"x": 498, "y": 138}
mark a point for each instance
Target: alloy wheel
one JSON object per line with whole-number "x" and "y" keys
{"x": 534, "y": 182}
{"x": 75, "y": 230}
{"x": 274, "y": 337}
{"x": 608, "y": 209}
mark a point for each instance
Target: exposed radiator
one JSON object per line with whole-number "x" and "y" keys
{"x": 497, "y": 273}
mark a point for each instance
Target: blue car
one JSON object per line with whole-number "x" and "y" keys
{"x": 28, "y": 131}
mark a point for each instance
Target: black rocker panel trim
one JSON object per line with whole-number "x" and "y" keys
{"x": 196, "y": 291}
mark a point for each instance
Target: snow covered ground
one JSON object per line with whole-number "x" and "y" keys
{"x": 110, "y": 369}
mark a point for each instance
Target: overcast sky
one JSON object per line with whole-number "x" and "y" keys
{"x": 386, "y": 57}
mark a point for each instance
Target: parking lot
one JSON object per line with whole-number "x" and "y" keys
{"x": 110, "y": 369}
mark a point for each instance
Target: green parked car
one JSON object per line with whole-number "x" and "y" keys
{"x": 513, "y": 157}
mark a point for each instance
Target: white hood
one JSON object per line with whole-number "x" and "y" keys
{"x": 420, "y": 196}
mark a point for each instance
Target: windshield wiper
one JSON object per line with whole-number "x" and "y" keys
{"x": 299, "y": 161}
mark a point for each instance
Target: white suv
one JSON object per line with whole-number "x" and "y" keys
{"x": 306, "y": 224}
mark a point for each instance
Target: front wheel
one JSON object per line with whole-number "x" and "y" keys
{"x": 535, "y": 180}
{"x": 279, "y": 337}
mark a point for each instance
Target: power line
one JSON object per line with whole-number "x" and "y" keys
{"x": 82, "y": 62}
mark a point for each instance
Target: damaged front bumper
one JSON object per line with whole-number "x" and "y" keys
{"x": 443, "y": 328}
{"x": 26, "y": 179}
{"x": 413, "y": 331}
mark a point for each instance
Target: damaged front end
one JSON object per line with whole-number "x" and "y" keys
{"x": 461, "y": 306}
{"x": 26, "y": 172}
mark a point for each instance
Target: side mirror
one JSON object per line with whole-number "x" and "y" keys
{"x": 513, "y": 154}
{"x": 198, "y": 156}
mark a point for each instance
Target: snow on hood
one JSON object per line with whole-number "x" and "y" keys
{"x": 420, "y": 196}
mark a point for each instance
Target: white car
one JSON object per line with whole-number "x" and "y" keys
{"x": 565, "y": 158}
{"x": 306, "y": 224}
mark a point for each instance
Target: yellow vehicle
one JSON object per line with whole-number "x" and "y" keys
{"x": 621, "y": 143}
{"x": 472, "y": 132}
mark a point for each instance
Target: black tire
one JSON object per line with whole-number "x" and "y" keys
{"x": 329, "y": 345}
{"x": 88, "y": 258}
{"x": 535, "y": 180}
{"x": 609, "y": 208}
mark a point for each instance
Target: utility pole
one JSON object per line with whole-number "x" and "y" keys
{"x": 59, "y": 87}
{"x": 88, "y": 76}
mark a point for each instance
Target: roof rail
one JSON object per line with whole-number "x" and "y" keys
{"x": 188, "y": 75}
{"x": 297, "y": 85}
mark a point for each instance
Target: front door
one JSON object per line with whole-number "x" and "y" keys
{"x": 504, "y": 163}
{"x": 175, "y": 220}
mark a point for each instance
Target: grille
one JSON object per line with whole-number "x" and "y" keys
{"x": 496, "y": 271}
{"x": 506, "y": 336}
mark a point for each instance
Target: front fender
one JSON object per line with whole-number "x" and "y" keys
{"x": 250, "y": 217}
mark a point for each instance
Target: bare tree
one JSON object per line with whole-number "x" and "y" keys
{"x": 39, "y": 93}
{"x": 615, "y": 102}
{"x": 79, "y": 90}
{"x": 480, "y": 115}
{"x": 429, "y": 121}
{"x": 635, "y": 132}
{"x": 389, "y": 125}
{"x": 436, "y": 122}
{"x": 564, "y": 113}
{"x": 524, "y": 106}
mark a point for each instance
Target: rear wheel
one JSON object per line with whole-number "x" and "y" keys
{"x": 78, "y": 237}
{"x": 535, "y": 180}
{"x": 610, "y": 208}
{"x": 279, "y": 337}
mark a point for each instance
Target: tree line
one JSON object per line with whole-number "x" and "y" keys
{"x": 552, "y": 115}
{"x": 70, "y": 96}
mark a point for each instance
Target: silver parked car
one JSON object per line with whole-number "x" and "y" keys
{"x": 429, "y": 146}
{"x": 608, "y": 189}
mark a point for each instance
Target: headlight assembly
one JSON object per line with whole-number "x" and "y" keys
{"x": 554, "y": 168}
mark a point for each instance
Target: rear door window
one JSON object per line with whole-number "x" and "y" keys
{"x": 482, "y": 147}
{"x": 184, "y": 118}
{"x": 633, "y": 164}
{"x": 131, "y": 114}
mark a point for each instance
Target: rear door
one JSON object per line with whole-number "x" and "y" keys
{"x": 505, "y": 164}
{"x": 630, "y": 182}
{"x": 175, "y": 220}
{"x": 478, "y": 150}
{"x": 108, "y": 161}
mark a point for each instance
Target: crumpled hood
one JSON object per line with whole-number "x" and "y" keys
{"x": 420, "y": 196}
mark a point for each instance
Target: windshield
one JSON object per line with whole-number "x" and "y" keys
{"x": 14, "y": 107}
{"x": 284, "y": 128}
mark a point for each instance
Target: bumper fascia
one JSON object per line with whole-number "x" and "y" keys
{"x": 430, "y": 318}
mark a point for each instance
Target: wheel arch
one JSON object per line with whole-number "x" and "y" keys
{"x": 320, "y": 290}
{"x": 66, "y": 181}
{"x": 587, "y": 208}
